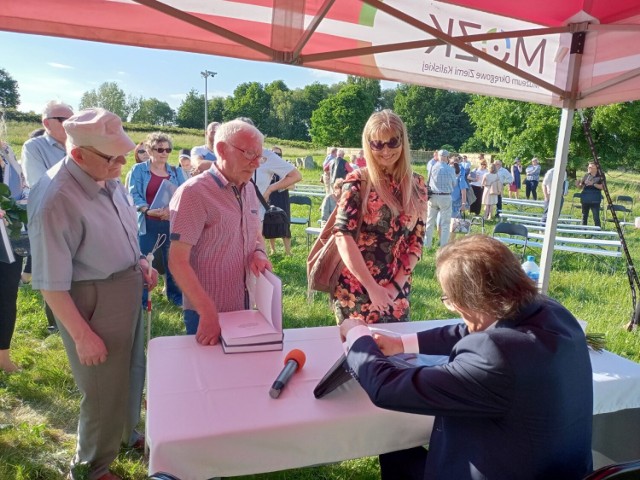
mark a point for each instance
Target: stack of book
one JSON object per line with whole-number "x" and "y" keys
{"x": 259, "y": 329}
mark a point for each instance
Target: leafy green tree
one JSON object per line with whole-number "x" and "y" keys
{"x": 191, "y": 111}
{"x": 250, "y": 100}
{"x": 433, "y": 117}
{"x": 522, "y": 129}
{"x": 339, "y": 119}
{"x": 216, "y": 109}
{"x": 9, "y": 96}
{"x": 154, "y": 112}
{"x": 371, "y": 87}
{"x": 387, "y": 98}
{"x": 108, "y": 96}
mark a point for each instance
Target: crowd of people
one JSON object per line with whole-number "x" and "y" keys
{"x": 91, "y": 239}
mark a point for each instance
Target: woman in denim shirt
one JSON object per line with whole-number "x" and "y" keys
{"x": 146, "y": 178}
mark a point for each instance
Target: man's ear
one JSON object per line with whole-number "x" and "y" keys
{"x": 220, "y": 146}
{"x": 78, "y": 155}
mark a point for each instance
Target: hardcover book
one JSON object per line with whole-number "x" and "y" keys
{"x": 259, "y": 329}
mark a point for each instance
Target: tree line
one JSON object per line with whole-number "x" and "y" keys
{"x": 336, "y": 114}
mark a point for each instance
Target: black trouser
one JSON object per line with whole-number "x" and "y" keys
{"x": 499, "y": 206}
{"x": 545, "y": 213}
{"x": 595, "y": 210}
{"x": 476, "y": 206}
{"x": 404, "y": 464}
{"x": 10, "y": 275}
{"x": 531, "y": 188}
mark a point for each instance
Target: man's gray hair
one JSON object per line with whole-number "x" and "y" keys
{"x": 228, "y": 130}
{"x": 51, "y": 106}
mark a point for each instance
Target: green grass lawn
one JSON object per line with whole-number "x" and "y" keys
{"x": 39, "y": 406}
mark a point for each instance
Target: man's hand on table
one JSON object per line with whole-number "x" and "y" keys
{"x": 389, "y": 345}
{"x": 208, "y": 329}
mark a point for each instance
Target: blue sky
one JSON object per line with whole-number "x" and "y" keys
{"x": 48, "y": 68}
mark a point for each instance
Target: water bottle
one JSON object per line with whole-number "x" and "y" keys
{"x": 531, "y": 268}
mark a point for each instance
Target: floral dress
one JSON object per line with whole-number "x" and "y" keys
{"x": 386, "y": 243}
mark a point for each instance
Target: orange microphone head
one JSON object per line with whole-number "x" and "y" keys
{"x": 297, "y": 356}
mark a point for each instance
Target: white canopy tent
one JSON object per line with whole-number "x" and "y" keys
{"x": 569, "y": 53}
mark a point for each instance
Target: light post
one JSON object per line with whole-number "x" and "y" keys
{"x": 206, "y": 74}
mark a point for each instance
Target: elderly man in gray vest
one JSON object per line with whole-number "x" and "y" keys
{"x": 87, "y": 263}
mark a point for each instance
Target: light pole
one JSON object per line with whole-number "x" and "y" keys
{"x": 206, "y": 74}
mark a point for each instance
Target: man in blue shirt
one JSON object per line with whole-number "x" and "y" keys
{"x": 39, "y": 154}
{"x": 203, "y": 156}
{"x": 441, "y": 183}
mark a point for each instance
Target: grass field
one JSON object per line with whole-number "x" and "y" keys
{"x": 39, "y": 406}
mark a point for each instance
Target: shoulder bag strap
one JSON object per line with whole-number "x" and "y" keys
{"x": 259, "y": 195}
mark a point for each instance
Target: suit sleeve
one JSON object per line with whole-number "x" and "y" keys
{"x": 476, "y": 382}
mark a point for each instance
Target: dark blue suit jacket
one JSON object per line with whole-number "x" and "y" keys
{"x": 514, "y": 402}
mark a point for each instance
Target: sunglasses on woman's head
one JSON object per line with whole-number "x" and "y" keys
{"x": 162, "y": 150}
{"x": 377, "y": 145}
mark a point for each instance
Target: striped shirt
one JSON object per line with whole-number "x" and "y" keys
{"x": 222, "y": 223}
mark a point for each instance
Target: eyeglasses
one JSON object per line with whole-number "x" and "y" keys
{"x": 162, "y": 150}
{"x": 60, "y": 119}
{"x": 109, "y": 159}
{"x": 378, "y": 146}
{"x": 141, "y": 151}
{"x": 251, "y": 156}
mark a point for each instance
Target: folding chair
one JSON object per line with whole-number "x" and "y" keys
{"x": 625, "y": 200}
{"x": 617, "y": 471}
{"x": 513, "y": 234}
{"x": 575, "y": 203}
{"x": 621, "y": 212}
{"x": 301, "y": 200}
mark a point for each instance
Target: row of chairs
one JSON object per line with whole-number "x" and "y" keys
{"x": 623, "y": 205}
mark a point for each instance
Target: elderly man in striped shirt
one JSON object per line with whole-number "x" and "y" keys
{"x": 216, "y": 233}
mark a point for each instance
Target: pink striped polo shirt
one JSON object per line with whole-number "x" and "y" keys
{"x": 222, "y": 223}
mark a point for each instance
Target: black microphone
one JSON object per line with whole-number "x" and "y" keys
{"x": 293, "y": 362}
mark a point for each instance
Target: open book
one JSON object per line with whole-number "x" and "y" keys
{"x": 163, "y": 195}
{"x": 259, "y": 329}
{"x": 6, "y": 250}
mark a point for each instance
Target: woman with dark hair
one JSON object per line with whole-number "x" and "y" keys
{"x": 514, "y": 397}
{"x": 391, "y": 202}
{"x": 591, "y": 197}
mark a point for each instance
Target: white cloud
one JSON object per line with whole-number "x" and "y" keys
{"x": 60, "y": 65}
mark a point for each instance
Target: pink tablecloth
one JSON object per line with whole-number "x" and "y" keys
{"x": 210, "y": 414}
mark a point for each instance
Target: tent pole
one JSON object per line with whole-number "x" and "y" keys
{"x": 562, "y": 149}
{"x": 557, "y": 186}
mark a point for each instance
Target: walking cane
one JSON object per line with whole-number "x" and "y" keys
{"x": 159, "y": 242}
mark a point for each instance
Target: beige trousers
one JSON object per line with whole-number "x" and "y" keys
{"x": 112, "y": 391}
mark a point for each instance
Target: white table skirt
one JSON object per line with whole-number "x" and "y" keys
{"x": 210, "y": 415}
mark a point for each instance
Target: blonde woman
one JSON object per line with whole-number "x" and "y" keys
{"x": 391, "y": 200}
{"x": 491, "y": 188}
